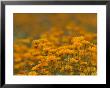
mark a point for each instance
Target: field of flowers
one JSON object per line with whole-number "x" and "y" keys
{"x": 55, "y": 44}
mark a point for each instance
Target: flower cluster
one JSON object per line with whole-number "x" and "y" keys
{"x": 62, "y": 50}
{"x": 62, "y": 54}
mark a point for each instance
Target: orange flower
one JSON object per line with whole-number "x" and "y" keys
{"x": 32, "y": 73}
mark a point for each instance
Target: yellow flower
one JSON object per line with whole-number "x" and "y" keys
{"x": 94, "y": 62}
{"x": 40, "y": 57}
{"x": 36, "y": 53}
{"x": 32, "y": 73}
{"x": 51, "y": 58}
{"x": 83, "y": 63}
{"x": 81, "y": 52}
{"x": 68, "y": 68}
{"x": 77, "y": 39}
{"x": 37, "y": 67}
{"x": 85, "y": 42}
{"x": 92, "y": 49}
{"x": 72, "y": 60}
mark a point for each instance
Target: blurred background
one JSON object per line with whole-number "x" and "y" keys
{"x": 32, "y": 25}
